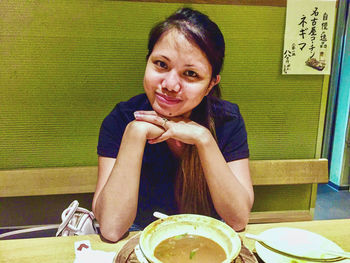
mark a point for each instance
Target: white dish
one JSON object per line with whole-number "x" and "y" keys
{"x": 214, "y": 229}
{"x": 140, "y": 257}
{"x": 294, "y": 241}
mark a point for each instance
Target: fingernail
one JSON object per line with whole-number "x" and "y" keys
{"x": 137, "y": 115}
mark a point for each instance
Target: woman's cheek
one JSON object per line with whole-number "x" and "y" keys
{"x": 195, "y": 91}
{"x": 151, "y": 81}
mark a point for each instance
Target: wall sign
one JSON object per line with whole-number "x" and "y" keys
{"x": 308, "y": 36}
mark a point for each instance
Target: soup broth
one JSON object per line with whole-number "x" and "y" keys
{"x": 189, "y": 249}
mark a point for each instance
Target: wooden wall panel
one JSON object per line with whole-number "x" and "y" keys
{"x": 75, "y": 180}
{"x": 281, "y": 3}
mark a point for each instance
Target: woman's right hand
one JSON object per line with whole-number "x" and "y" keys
{"x": 146, "y": 129}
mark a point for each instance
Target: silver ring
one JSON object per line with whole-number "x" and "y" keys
{"x": 165, "y": 121}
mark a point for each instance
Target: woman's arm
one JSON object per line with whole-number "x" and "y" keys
{"x": 116, "y": 195}
{"x": 229, "y": 183}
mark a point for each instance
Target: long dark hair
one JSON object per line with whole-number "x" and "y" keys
{"x": 191, "y": 190}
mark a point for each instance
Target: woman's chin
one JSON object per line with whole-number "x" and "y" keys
{"x": 166, "y": 112}
{"x": 169, "y": 111}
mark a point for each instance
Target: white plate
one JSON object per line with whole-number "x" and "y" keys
{"x": 294, "y": 241}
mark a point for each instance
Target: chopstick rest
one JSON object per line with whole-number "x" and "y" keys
{"x": 84, "y": 253}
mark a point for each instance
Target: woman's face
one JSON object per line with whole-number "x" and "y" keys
{"x": 178, "y": 75}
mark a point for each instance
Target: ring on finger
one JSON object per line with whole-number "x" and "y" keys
{"x": 165, "y": 120}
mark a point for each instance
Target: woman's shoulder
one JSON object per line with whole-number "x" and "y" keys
{"x": 114, "y": 124}
{"x": 230, "y": 130}
{"x": 225, "y": 110}
{"x": 127, "y": 108}
{"x": 138, "y": 102}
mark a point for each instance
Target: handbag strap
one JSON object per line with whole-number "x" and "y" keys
{"x": 27, "y": 230}
{"x": 66, "y": 216}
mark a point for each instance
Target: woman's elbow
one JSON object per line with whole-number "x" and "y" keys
{"x": 243, "y": 219}
{"x": 112, "y": 234}
{"x": 239, "y": 222}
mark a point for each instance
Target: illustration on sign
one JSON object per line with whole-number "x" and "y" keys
{"x": 308, "y": 37}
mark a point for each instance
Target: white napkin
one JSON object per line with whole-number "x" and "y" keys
{"x": 84, "y": 253}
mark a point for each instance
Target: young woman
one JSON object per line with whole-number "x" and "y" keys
{"x": 178, "y": 148}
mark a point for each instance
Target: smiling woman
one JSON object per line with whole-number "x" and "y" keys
{"x": 176, "y": 64}
{"x": 178, "y": 148}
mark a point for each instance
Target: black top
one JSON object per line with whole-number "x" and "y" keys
{"x": 159, "y": 165}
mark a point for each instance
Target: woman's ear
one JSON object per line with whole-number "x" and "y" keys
{"x": 214, "y": 81}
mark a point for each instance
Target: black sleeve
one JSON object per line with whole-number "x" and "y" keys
{"x": 111, "y": 133}
{"x": 232, "y": 134}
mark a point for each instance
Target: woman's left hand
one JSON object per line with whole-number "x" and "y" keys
{"x": 178, "y": 128}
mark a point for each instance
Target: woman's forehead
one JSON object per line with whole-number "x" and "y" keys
{"x": 175, "y": 41}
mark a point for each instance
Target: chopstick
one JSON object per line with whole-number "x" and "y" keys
{"x": 159, "y": 215}
{"x": 337, "y": 253}
{"x": 263, "y": 242}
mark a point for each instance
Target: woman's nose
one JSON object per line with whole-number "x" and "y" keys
{"x": 171, "y": 82}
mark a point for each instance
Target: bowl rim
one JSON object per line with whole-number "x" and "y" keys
{"x": 193, "y": 218}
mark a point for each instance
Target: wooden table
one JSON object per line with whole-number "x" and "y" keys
{"x": 61, "y": 249}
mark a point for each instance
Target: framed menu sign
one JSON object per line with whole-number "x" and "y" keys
{"x": 308, "y": 36}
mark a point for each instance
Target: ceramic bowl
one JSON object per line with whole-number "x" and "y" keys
{"x": 171, "y": 226}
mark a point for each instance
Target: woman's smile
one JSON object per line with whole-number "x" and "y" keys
{"x": 167, "y": 100}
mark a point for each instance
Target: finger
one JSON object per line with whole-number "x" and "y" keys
{"x": 153, "y": 113}
{"x": 159, "y": 139}
{"x": 155, "y": 119}
{"x": 147, "y": 117}
{"x": 143, "y": 112}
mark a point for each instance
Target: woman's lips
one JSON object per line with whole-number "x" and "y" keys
{"x": 163, "y": 99}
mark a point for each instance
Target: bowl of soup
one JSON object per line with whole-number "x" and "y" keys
{"x": 189, "y": 238}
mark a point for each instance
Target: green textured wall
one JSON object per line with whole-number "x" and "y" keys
{"x": 65, "y": 64}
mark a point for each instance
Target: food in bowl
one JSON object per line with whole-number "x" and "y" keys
{"x": 188, "y": 248}
{"x": 185, "y": 225}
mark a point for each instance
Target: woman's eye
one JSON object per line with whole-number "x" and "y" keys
{"x": 160, "y": 64}
{"x": 191, "y": 73}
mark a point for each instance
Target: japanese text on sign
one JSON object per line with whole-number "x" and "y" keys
{"x": 309, "y": 28}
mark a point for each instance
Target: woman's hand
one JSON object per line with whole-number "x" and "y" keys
{"x": 148, "y": 130}
{"x": 178, "y": 128}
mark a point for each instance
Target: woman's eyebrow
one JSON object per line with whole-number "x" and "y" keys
{"x": 195, "y": 66}
{"x": 166, "y": 57}
{"x": 159, "y": 55}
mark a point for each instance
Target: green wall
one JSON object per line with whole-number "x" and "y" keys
{"x": 65, "y": 64}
